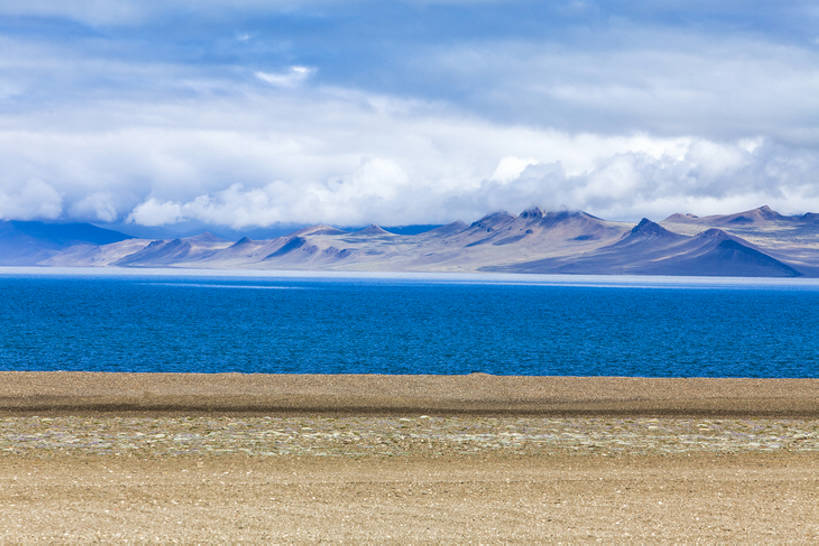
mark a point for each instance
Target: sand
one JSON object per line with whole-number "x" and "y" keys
{"x": 406, "y": 459}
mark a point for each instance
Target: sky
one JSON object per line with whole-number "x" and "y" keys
{"x": 254, "y": 113}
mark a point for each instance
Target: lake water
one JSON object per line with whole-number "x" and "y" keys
{"x": 186, "y": 321}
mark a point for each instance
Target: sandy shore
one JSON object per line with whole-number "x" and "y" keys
{"x": 227, "y": 458}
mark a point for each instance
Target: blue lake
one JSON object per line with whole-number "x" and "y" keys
{"x": 185, "y": 322}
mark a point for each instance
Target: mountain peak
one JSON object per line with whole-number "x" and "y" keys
{"x": 491, "y": 221}
{"x": 372, "y": 229}
{"x": 556, "y": 217}
{"x": 650, "y": 229}
{"x": 319, "y": 229}
{"x": 768, "y": 213}
{"x": 681, "y": 217}
{"x": 533, "y": 212}
{"x": 242, "y": 242}
{"x": 760, "y": 214}
{"x": 713, "y": 233}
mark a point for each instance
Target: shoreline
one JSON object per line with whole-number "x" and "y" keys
{"x": 27, "y": 393}
{"x": 444, "y": 276}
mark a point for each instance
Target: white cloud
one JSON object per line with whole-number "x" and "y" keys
{"x": 155, "y": 213}
{"x": 98, "y": 205}
{"x": 292, "y": 77}
{"x": 510, "y": 167}
{"x": 328, "y": 155}
{"x": 28, "y": 200}
{"x": 244, "y": 151}
{"x": 730, "y": 178}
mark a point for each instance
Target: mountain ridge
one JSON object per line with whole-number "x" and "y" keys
{"x": 761, "y": 243}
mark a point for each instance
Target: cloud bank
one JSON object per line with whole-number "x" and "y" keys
{"x": 107, "y": 117}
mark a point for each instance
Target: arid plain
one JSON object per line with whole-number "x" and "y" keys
{"x": 268, "y": 458}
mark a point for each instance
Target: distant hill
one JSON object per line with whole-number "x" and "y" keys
{"x": 761, "y": 242}
{"x": 30, "y": 242}
{"x": 793, "y": 239}
{"x": 650, "y": 249}
{"x": 757, "y": 216}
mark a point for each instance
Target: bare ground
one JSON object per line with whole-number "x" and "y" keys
{"x": 749, "y": 498}
{"x": 38, "y": 392}
{"x": 213, "y": 459}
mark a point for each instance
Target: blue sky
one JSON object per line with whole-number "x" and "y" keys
{"x": 252, "y": 113}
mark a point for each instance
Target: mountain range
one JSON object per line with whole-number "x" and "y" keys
{"x": 758, "y": 242}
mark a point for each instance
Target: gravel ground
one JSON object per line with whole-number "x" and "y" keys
{"x": 177, "y": 458}
{"x": 357, "y": 436}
